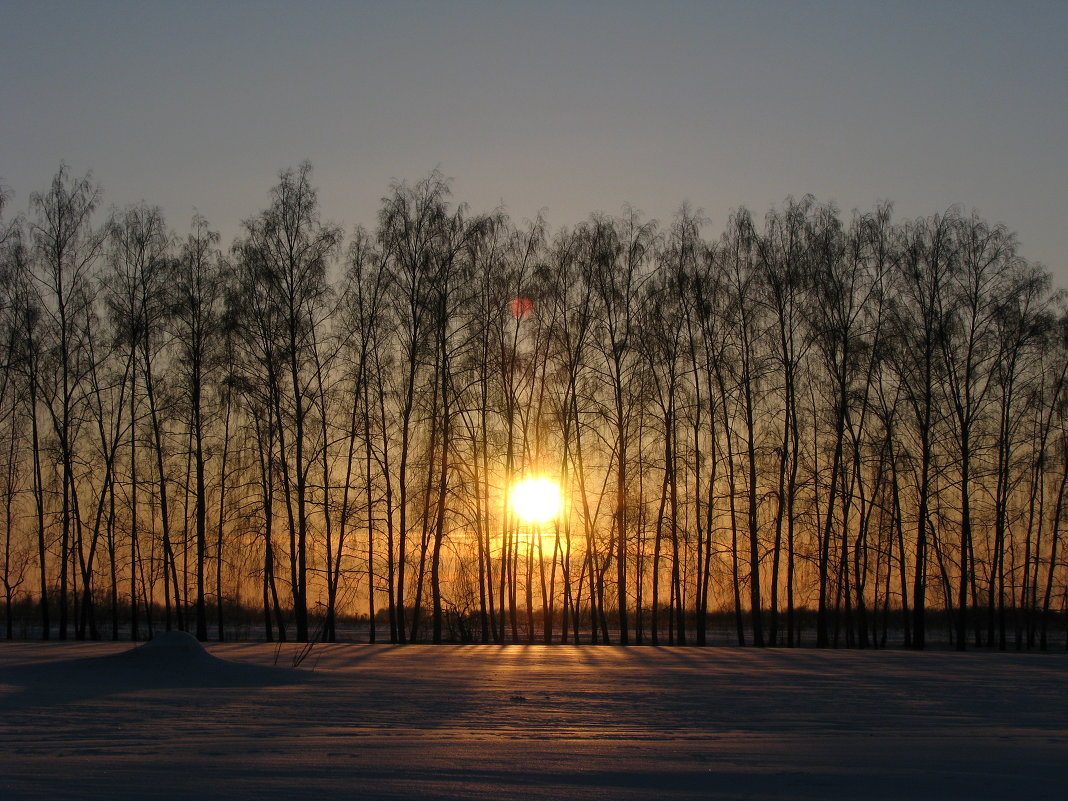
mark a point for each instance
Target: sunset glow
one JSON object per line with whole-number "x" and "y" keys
{"x": 521, "y": 308}
{"x": 536, "y": 500}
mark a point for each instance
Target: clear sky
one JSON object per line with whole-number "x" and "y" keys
{"x": 570, "y": 107}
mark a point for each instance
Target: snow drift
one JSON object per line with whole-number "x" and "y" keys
{"x": 172, "y": 660}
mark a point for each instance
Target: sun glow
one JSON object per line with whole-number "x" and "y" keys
{"x": 536, "y": 500}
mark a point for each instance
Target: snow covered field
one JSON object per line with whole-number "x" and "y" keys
{"x": 99, "y": 721}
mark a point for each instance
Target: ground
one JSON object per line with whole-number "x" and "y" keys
{"x": 240, "y": 721}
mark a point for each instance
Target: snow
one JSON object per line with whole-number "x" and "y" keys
{"x": 172, "y": 645}
{"x": 171, "y": 720}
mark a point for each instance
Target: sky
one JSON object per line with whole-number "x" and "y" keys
{"x": 564, "y": 108}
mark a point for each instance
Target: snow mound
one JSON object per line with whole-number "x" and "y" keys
{"x": 173, "y": 645}
{"x": 171, "y": 661}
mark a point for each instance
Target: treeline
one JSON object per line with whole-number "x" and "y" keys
{"x": 819, "y": 429}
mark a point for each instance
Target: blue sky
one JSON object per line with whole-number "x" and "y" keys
{"x": 569, "y": 107}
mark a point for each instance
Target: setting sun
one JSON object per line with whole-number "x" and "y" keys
{"x": 536, "y": 500}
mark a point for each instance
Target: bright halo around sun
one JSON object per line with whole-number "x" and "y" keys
{"x": 536, "y": 500}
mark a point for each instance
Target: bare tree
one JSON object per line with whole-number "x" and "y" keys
{"x": 65, "y": 247}
{"x": 924, "y": 264}
{"x": 739, "y": 262}
{"x": 196, "y": 319}
{"x": 136, "y": 287}
{"x": 785, "y": 260}
{"x": 868, "y": 418}
{"x": 618, "y": 267}
{"x": 284, "y": 258}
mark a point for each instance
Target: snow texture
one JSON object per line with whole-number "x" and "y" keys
{"x": 171, "y": 720}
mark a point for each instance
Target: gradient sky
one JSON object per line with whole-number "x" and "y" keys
{"x": 569, "y": 107}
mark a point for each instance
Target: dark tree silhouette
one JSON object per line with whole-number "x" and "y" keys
{"x": 814, "y": 430}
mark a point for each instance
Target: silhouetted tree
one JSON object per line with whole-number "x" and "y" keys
{"x": 867, "y": 417}
{"x": 283, "y": 260}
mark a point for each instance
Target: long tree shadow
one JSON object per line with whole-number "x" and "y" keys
{"x": 174, "y": 660}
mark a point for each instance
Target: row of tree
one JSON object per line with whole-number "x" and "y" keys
{"x": 814, "y": 423}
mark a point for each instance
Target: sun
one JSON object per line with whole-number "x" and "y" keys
{"x": 536, "y": 500}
